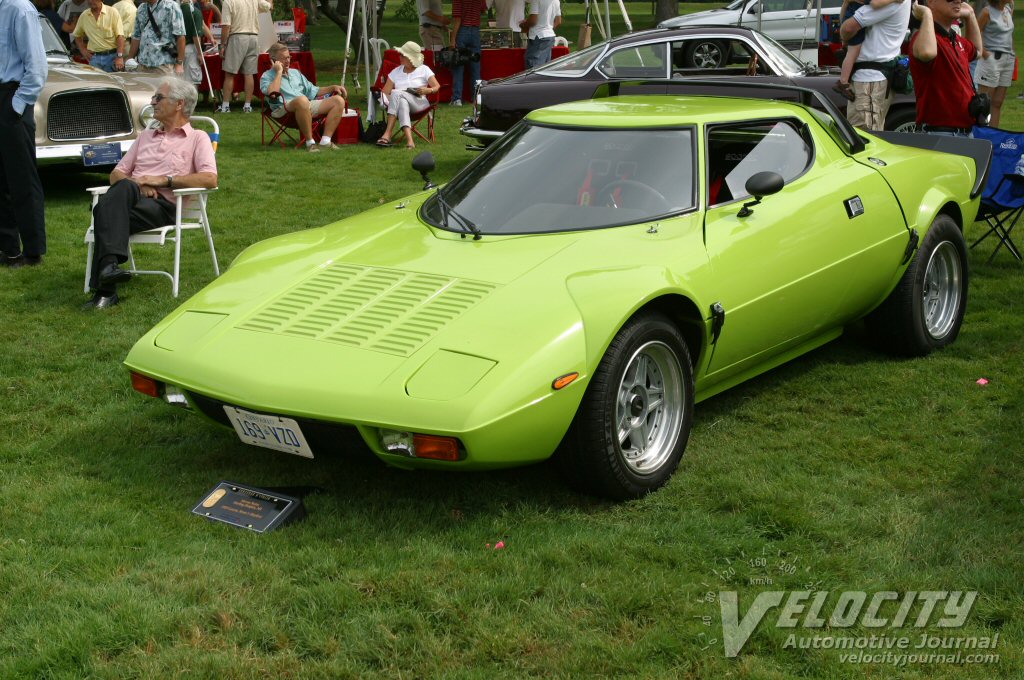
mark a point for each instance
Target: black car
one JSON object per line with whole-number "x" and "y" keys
{"x": 657, "y": 55}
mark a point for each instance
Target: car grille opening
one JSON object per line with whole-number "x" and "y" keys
{"x": 88, "y": 114}
{"x": 322, "y": 436}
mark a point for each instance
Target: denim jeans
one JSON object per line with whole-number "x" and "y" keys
{"x": 538, "y": 51}
{"x": 104, "y": 62}
{"x": 468, "y": 36}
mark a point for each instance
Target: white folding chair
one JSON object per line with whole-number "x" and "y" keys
{"x": 189, "y": 214}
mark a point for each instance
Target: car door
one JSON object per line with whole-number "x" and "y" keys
{"x": 808, "y": 258}
{"x": 787, "y": 21}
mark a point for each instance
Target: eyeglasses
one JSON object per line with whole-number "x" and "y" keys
{"x": 157, "y": 98}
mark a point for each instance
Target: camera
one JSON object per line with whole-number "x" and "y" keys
{"x": 979, "y": 108}
{"x": 170, "y": 50}
{"x": 451, "y": 57}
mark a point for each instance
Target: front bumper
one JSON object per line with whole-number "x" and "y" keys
{"x": 470, "y": 130}
{"x": 57, "y": 152}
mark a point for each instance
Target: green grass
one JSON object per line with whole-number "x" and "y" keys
{"x": 843, "y": 470}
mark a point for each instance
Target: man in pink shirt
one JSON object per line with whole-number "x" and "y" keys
{"x": 141, "y": 196}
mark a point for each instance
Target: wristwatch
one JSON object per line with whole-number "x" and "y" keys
{"x": 170, "y": 182}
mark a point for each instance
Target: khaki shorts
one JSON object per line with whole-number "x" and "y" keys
{"x": 433, "y": 37}
{"x": 193, "y": 70}
{"x": 314, "y": 109}
{"x": 994, "y": 72}
{"x": 867, "y": 111}
{"x": 241, "y": 54}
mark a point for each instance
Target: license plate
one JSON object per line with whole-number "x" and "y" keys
{"x": 101, "y": 154}
{"x": 270, "y": 432}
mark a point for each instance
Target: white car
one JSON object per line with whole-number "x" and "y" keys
{"x": 793, "y": 23}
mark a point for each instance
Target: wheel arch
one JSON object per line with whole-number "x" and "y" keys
{"x": 685, "y": 315}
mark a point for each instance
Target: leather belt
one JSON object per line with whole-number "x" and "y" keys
{"x": 10, "y": 85}
{"x": 104, "y": 53}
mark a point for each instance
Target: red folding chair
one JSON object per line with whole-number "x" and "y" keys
{"x": 426, "y": 114}
{"x": 285, "y": 127}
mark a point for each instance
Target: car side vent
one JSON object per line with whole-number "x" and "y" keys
{"x": 88, "y": 114}
{"x": 384, "y": 310}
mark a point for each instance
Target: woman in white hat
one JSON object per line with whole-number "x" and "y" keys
{"x": 406, "y": 92}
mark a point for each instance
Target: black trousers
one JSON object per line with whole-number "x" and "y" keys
{"x": 22, "y": 222}
{"x": 121, "y": 212}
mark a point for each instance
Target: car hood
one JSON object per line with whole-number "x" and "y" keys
{"x": 360, "y": 315}
{"x": 66, "y": 75}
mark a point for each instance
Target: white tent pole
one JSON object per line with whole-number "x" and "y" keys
{"x": 348, "y": 38}
{"x": 625, "y": 16}
{"x": 608, "y": 19}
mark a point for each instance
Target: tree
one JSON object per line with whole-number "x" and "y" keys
{"x": 665, "y": 9}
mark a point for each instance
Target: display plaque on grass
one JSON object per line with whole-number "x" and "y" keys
{"x": 249, "y": 507}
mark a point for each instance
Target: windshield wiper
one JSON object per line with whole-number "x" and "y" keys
{"x": 60, "y": 52}
{"x": 465, "y": 223}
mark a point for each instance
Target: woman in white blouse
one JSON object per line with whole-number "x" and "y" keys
{"x": 406, "y": 92}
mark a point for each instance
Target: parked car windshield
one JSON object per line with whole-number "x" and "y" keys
{"x": 539, "y": 179}
{"x": 51, "y": 43}
{"x": 574, "y": 63}
{"x": 787, "y": 60}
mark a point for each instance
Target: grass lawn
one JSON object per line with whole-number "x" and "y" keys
{"x": 845, "y": 470}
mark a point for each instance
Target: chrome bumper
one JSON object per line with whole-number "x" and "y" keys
{"x": 67, "y": 151}
{"x": 474, "y": 132}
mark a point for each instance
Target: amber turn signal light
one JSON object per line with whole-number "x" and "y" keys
{"x": 145, "y": 385}
{"x": 564, "y": 380}
{"x": 438, "y": 448}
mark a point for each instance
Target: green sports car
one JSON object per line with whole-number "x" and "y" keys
{"x": 578, "y": 287}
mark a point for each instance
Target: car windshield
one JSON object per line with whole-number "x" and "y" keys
{"x": 574, "y": 63}
{"x": 787, "y": 60}
{"x": 51, "y": 43}
{"x": 539, "y": 179}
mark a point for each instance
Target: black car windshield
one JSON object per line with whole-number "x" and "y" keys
{"x": 539, "y": 179}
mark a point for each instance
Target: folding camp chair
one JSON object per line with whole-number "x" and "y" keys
{"x": 286, "y": 127}
{"x": 190, "y": 214}
{"x": 426, "y": 114}
{"x": 1002, "y": 201}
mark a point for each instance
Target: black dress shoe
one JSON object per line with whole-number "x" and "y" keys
{"x": 20, "y": 260}
{"x": 101, "y": 301}
{"x": 112, "y": 275}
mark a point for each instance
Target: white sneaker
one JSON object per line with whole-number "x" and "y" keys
{"x": 223, "y": 108}
{"x": 313, "y": 148}
{"x": 456, "y": 102}
{"x": 247, "y": 108}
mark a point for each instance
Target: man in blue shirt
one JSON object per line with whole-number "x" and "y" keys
{"x": 300, "y": 97}
{"x": 22, "y": 75}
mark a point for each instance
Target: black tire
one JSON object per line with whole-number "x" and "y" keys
{"x": 903, "y": 119}
{"x": 647, "y": 356}
{"x": 926, "y": 309}
{"x": 705, "y": 54}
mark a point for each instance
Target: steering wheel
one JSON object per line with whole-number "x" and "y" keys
{"x": 605, "y": 197}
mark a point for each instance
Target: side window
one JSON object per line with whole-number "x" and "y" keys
{"x": 715, "y": 56}
{"x": 735, "y": 152}
{"x": 642, "y": 61}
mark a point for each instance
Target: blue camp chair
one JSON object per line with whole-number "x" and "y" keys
{"x": 1002, "y": 201}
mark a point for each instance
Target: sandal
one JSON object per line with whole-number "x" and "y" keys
{"x": 383, "y": 142}
{"x": 844, "y": 89}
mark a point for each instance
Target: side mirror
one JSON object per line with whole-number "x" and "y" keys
{"x": 759, "y": 185}
{"x": 755, "y": 9}
{"x": 423, "y": 164}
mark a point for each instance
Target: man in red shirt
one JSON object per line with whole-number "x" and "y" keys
{"x": 940, "y": 64}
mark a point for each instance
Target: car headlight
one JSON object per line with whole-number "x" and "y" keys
{"x": 146, "y": 117}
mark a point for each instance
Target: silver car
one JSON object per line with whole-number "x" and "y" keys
{"x": 793, "y": 23}
{"x": 84, "y": 113}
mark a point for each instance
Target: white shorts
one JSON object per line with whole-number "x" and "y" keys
{"x": 314, "y": 109}
{"x": 994, "y": 72}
